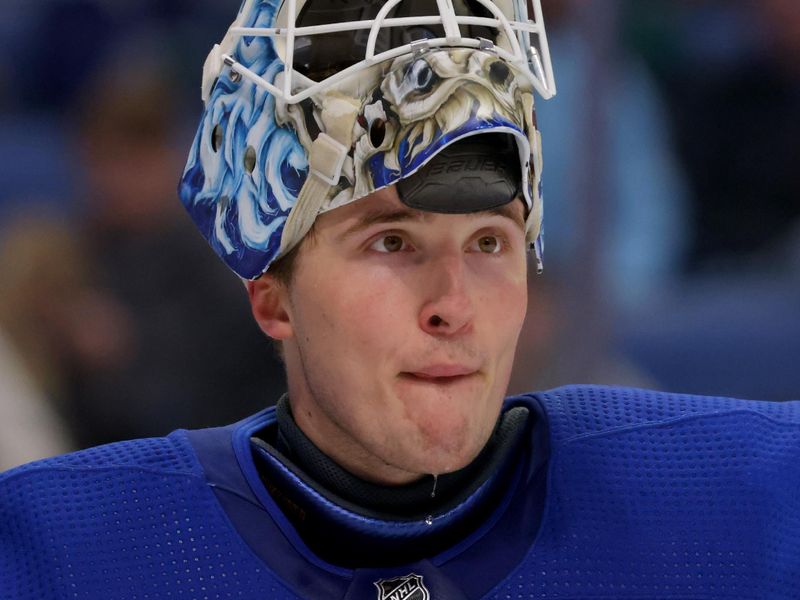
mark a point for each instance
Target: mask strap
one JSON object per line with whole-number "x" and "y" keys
{"x": 326, "y": 159}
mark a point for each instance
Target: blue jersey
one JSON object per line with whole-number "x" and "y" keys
{"x": 616, "y": 493}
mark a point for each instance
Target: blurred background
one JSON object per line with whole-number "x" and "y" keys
{"x": 672, "y": 216}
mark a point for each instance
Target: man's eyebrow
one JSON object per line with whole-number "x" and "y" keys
{"x": 506, "y": 211}
{"x": 399, "y": 215}
{"x": 383, "y": 215}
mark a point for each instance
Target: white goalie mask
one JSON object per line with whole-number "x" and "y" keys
{"x": 312, "y": 104}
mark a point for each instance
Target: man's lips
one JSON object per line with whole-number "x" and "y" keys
{"x": 441, "y": 373}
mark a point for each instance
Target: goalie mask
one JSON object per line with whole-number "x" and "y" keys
{"x": 311, "y": 105}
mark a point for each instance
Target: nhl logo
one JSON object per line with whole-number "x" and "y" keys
{"x": 409, "y": 587}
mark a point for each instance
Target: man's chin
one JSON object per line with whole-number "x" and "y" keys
{"x": 442, "y": 462}
{"x": 447, "y": 445}
{"x": 449, "y": 422}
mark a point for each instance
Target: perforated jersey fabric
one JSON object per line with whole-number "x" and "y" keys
{"x": 620, "y": 493}
{"x": 657, "y": 495}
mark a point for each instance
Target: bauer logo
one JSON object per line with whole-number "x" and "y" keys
{"x": 409, "y": 587}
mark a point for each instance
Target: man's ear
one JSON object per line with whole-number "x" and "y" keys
{"x": 269, "y": 300}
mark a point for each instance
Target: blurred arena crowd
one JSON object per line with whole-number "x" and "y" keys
{"x": 672, "y": 203}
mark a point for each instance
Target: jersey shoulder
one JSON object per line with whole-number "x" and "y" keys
{"x": 51, "y": 493}
{"x": 132, "y": 519}
{"x": 171, "y": 453}
{"x": 586, "y": 410}
{"x": 698, "y": 492}
{"x": 61, "y": 515}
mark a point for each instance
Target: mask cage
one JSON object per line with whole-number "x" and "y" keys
{"x": 521, "y": 41}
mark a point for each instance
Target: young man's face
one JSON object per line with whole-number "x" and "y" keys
{"x": 399, "y": 331}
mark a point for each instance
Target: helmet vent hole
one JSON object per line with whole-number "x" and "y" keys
{"x": 377, "y": 132}
{"x": 216, "y": 137}
{"x": 250, "y": 159}
{"x": 499, "y": 72}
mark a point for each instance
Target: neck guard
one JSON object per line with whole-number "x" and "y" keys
{"x": 334, "y": 511}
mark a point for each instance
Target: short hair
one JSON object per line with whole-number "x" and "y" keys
{"x": 283, "y": 270}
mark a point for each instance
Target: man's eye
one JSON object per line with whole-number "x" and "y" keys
{"x": 388, "y": 243}
{"x": 490, "y": 244}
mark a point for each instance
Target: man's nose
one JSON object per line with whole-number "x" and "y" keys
{"x": 448, "y": 309}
